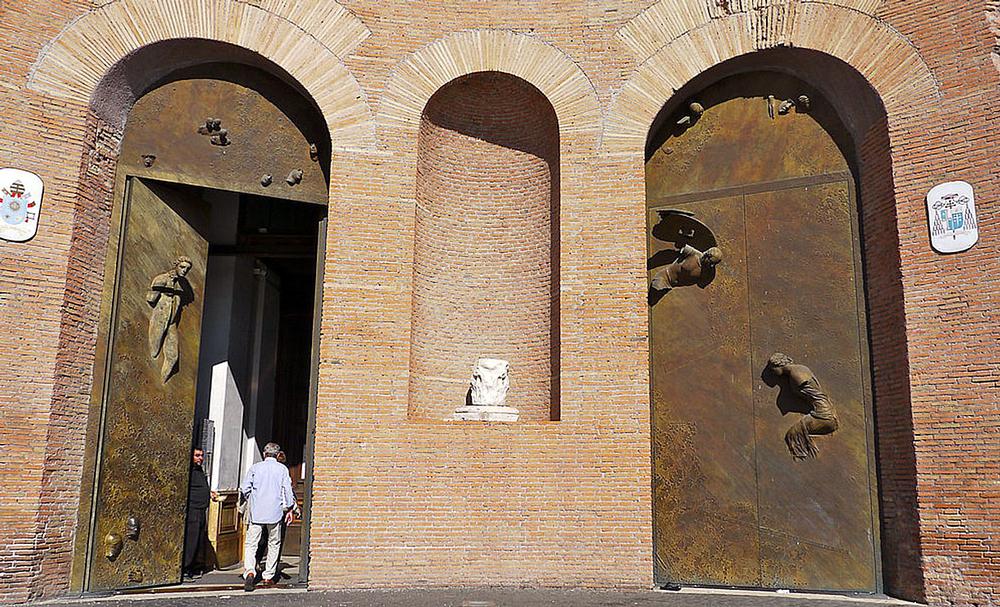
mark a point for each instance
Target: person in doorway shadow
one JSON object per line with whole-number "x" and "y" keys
{"x": 262, "y": 544}
{"x": 199, "y": 496}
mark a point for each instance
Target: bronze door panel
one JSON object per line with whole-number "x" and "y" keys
{"x": 149, "y": 408}
{"x": 740, "y": 139}
{"x": 731, "y": 506}
{"x": 242, "y": 132}
{"x": 815, "y": 514}
{"x": 761, "y": 160}
{"x": 704, "y": 491}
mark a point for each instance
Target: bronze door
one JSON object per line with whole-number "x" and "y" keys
{"x": 144, "y": 455}
{"x": 732, "y": 504}
{"x": 815, "y": 515}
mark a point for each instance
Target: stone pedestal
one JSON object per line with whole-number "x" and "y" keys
{"x": 485, "y": 413}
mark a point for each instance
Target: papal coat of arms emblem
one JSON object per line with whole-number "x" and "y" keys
{"x": 951, "y": 211}
{"x": 20, "y": 203}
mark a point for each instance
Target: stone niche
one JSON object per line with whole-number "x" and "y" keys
{"x": 486, "y": 250}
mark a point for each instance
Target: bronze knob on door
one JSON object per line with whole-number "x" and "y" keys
{"x": 113, "y": 544}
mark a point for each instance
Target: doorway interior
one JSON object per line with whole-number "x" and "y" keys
{"x": 257, "y": 345}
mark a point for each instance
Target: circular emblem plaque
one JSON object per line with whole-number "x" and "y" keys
{"x": 951, "y": 212}
{"x": 20, "y": 203}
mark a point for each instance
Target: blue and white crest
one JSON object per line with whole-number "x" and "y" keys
{"x": 951, "y": 212}
{"x": 20, "y": 204}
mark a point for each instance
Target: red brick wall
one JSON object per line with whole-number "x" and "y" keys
{"x": 403, "y": 502}
{"x": 951, "y": 312}
{"x": 993, "y": 22}
{"x": 65, "y": 459}
{"x": 900, "y": 532}
{"x": 436, "y": 503}
{"x": 487, "y": 185}
{"x": 38, "y": 487}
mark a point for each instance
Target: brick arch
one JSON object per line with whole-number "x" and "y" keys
{"x": 845, "y": 30}
{"x": 666, "y": 20}
{"x": 306, "y": 41}
{"x": 420, "y": 75}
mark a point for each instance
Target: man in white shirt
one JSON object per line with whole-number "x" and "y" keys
{"x": 268, "y": 487}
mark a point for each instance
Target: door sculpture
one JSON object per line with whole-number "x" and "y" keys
{"x": 149, "y": 407}
{"x": 761, "y": 408}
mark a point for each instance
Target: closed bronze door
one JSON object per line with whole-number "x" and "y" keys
{"x": 761, "y": 409}
{"x": 145, "y": 448}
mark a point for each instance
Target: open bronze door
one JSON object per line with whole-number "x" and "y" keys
{"x": 144, "y": 453}
{"x": 761, "y": 408}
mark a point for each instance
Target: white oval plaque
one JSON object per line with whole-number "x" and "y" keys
{"x": 951, "y": 212}
{"x": 20, "y": 203}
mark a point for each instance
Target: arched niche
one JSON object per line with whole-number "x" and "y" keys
{"x": 486, "y": 248}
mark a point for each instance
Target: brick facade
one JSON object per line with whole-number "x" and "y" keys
{"x": 401, "y": 500}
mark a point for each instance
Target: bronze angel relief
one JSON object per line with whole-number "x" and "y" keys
{"x": 691, "y": 261}
{"x": 167, "y": 294}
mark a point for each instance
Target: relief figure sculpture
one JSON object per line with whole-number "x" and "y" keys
{"x": 168, "y": 293}
{"x": 691, "y": 267}
{"x": 819, "y": 416}
{"x": 692, "y": 259}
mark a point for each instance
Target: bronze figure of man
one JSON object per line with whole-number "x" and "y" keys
{"x": 692, "y": 267}
{"x": 821, "y": 418}
{"x": 165, "y": 296}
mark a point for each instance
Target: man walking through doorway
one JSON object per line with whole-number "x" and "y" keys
{"x": 268, "y": 487}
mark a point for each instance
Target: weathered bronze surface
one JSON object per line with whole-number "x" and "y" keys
{"x": 731, "y": 504}
{"x": 816, "y": 516}
{"x": 704, "y": 490}
{"x": 147, "y": 431}
{"x": 113, "y": 545}
{"x": 735, "y": 142}
{"x": 257, "y": 126}
{"x": 132, "y": 528}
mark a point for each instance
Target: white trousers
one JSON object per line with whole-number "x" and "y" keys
{"x": 273, "y": 549}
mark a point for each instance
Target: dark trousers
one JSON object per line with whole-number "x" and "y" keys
{"x": 194, "y": 537}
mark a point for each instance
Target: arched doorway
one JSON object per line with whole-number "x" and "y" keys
{"x": 221, "y": 192}
{"x": 763, "y": 452}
